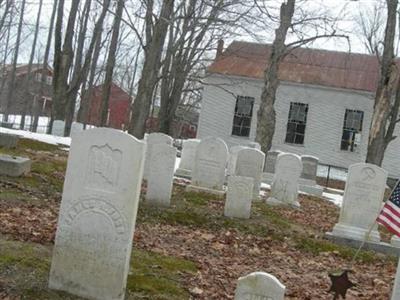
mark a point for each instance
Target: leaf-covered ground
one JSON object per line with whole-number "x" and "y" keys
{"x": 187, "y": 251}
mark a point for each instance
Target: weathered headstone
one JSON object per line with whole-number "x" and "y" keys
{"x": 76, "y": 127}
{"x": 209, "y": 166}
{"x": 98, "y": 214}
{"x": 8, "y": 140}
{"x": 269, "y": 166}
{"x": 250, "y": 163}
{"x": 187, "y": 158}
{"x": 14, "y": 165}
{"x": 239, "y": 197}
{"x": 233, "y": 152}
{"x": 396, "y": 286}
{"x": 161, "y": 175}
{"x": 259, "y": 286}
{"x": 152, "y": 140}
{"x": 285, "y": 187}
{"x": 307, "y": 182}
{"x": 58, "y": 128}
{"x": 362, "y": 202}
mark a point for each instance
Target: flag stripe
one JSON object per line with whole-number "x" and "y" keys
{"x": 391, "y": 227}
{"x": 395, "y": 210}
{"x": 391, "y": 217}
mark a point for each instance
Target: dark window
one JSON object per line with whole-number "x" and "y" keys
{"x": 296, "y": 126}
{"x": 352, "y": 127}
{"x": 242, "y": 118}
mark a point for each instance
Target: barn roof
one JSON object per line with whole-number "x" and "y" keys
{"x": 302, "y": 65}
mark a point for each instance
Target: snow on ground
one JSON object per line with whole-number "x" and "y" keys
{"x": 45, "y": 138}
{"x": 335, "y": 198}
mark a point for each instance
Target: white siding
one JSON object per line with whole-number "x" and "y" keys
{"x": 326, "y": 110}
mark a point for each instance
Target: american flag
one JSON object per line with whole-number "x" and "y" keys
{"x": 390, "y": 214}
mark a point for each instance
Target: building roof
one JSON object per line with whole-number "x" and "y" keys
{"x": 302, "y": 65}
{"x": 22, "y": 69}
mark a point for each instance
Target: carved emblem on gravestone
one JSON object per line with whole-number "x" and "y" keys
{"x": 104, "y": 166}
{"x": 368, "y": 173}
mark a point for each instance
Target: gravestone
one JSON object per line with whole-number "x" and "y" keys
{"x": 58, "y": 128}
{"x": 269, "y": 166}
{"x": 14, "y": 166}
{"x": 259, "y": 286}
{"x": 254, "y": 145}
{"x": 233, "y": 152}
{"x": 209, "y": 167}
{"x": 76, "y": 127}
{"x": 187, "y": 158}
{"x": 161, "y": 175}
{"x": 285, "y": 187}
{"x": 8, "y": 140}
{"x": 307, "y": 182}
{"x": 250, "y": 163}
{"x": 396, "y": 286}
{"x": 362, "y": 202}
{"x": 98, "y": 213}
{"x": 239, "y": 197}
{"x": 152, "y": 140}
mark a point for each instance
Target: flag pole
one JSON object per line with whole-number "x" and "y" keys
{"x": 370, "y": 230}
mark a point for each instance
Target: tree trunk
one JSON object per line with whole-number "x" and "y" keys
{"x": 378, "y": 140}
{"x": 266, "y": 117}
{"x": 151, "y": 67}
{"x": 28, "y": 78}
{"x": 11, "y": 85}
{"x": 36, "y": 106}
{"x": 111, "y": 63}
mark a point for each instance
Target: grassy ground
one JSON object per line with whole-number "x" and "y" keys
{"x": 187, "y": 251}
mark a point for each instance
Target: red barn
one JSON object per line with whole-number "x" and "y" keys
{"x": 118, "y": 107}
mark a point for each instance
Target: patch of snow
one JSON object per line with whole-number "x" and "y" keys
{"x": 335, "y": 198}
{"x": 41, "y": 137}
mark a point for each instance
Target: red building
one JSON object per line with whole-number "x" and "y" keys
{"x": 118, "y": 107}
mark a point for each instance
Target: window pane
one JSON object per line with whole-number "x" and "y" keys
{"x": 296, "y": 125}
{"x": 243, "y": 115}
{"x": 352, "y": 127}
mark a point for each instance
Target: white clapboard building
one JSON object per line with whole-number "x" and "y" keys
{"x": 323, "y": 108}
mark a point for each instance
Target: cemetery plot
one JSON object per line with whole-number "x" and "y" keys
{"x": 189, "y": 249}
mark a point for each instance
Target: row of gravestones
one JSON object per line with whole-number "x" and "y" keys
{"x": 98, "y": 214}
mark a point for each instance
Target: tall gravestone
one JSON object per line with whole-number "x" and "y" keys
{"x": 187, "y": 158}
{"x": 161, "y": 175}
{"x": 259, "y": 286}
{"x": 239, "y": 197}
{"x": 58, "y": 128}
{"x": 233, "y": 152}
{"x": 362, "y": 202}
{"x": 209, "y": 166}
{"x": 308, "y": 178}
{"x": 250, "y": 163}
{"x": 76, "y": 127}
{"x": 285, "y": 187}
{"x": 98, "y": 213}
{"x": 152, "y": 140}
{"x": 269, "y": 166}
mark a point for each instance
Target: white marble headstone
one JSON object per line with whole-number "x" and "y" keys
{"x": 152, "y": 140}
{"x": 259, "y": 286}
{"x": 239, "y": 197}
{"x": 98, "y": 213}
{"x": 285, "y": 187}
{"x": 161, "y": 175}
{"x": 250, "y": 163}
{"x": 362, "y": 202}
{"x": 209, "y": 167}
{"x": 58, "y": 128}
{"x": 269, "y": 166}
{"x": 233, "y": 152}
{"x": 187, "y": 157}
{"x": 76, "y": 127}
{"x": 307, "y": 182}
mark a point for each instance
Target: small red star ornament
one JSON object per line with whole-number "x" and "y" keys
{"x": 340, "y": 284}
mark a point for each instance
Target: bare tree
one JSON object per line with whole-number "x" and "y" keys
{"x": 28, "y": 78}
{"x": 386, "y": 110}
{"x": 156, "y": 31}
{"x": 299, "y": 26}
{"x": 111, "y": 62}
{"x": 11, "y": 85}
